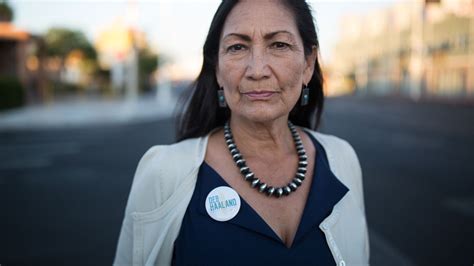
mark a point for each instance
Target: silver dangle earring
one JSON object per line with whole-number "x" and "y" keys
{"x": 304, "y": 96}
{"x": 221, "y": 98}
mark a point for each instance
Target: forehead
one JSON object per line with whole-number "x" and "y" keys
{"x": 259, "y": 16}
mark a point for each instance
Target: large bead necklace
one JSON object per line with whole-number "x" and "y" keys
{"x": 256, "y": 182}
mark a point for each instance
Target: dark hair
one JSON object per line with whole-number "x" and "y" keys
{"x": 201, "y": 112}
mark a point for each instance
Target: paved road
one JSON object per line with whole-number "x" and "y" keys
{"x": 418, "y": 169}
{"x": 62, "y": 191}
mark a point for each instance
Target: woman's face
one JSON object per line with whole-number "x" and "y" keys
{"x": 261, "y": 64}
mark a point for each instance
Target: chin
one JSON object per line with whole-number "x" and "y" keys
{"x": 263, "y": 115}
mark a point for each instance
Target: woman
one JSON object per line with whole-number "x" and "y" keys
{"x": 249, "y": 182}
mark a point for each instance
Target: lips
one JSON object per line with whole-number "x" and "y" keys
{"x": 259, "y": 95}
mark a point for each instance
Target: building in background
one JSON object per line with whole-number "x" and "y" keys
{"x": 12, "y": 68}
{"x": 22, "y": 57}
{"x": 421, "y": 48}
{"x": 118, "y": 51}
{"x": 125, "y": 52}
{"x": 13, "y": 47}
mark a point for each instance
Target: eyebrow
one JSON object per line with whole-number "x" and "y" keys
{"x": 266, "y": 37}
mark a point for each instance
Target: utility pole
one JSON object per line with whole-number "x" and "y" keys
{"x": 417, "y": 57}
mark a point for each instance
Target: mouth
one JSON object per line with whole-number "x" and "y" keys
{"x": 259, "y": 95}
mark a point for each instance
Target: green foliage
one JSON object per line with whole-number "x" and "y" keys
{"x": 6, "y": 12}
{"x": 61, "y": 41}
{"x": 12, "y": 93}
{"x": 147, "y": 63}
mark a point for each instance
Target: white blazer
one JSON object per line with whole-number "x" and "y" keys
{"x": 164, "y": 183}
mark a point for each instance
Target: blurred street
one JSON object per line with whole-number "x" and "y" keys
{"x": 64, "y": 185}
{"x": 418, "y": 176}
{"x": 86, "y": 111}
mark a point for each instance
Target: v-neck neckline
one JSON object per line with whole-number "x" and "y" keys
{"x": 313, "y": 213}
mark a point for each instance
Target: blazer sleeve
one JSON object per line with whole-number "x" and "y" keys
{"x": 124, "y": 251}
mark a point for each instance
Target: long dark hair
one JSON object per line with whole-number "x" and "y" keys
{"x": 200, "y": 109}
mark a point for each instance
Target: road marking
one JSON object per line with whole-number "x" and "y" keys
{"x": 41, "y": 148}
{"x": 25, "y": 164}
{"x": 384, "y": 253}
{"x": 14, "y": 157}
{"x": 464, "y": 206}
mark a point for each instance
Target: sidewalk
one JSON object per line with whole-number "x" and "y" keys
{"x": 79, "y": 112}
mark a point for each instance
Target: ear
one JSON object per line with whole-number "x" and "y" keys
{"x": 309, "y": 68}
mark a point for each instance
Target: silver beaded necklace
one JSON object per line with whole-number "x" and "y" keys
{"x": 254, "y": 181}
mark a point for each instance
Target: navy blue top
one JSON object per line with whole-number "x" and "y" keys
{"x": 247, "y": 239}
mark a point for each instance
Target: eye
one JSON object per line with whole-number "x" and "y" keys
{"x": 236, "y": 48}
{"x": 280, "y": 45}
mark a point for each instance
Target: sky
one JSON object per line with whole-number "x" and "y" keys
{"x": 175, "y": 28}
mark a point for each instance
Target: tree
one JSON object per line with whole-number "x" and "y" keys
{"x": 61, "y": 41}
{"x": 148, "y": 63}
{"x": 6, "y": 12}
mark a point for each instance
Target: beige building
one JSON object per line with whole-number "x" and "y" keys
{"x": 118, "y": 46}
{"x": 418, "y": 48}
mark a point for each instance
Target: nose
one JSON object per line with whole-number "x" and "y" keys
{"x": 257, "y": 66}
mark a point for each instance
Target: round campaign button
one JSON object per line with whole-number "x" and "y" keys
{"x": 222, "y": 203}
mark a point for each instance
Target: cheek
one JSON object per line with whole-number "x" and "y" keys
{"x": 231, "y": 73}
{"x": 290, "y": 75}
{"x": 231, "y": 77}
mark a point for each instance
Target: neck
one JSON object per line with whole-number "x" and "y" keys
{"x": 262, "y": 138}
